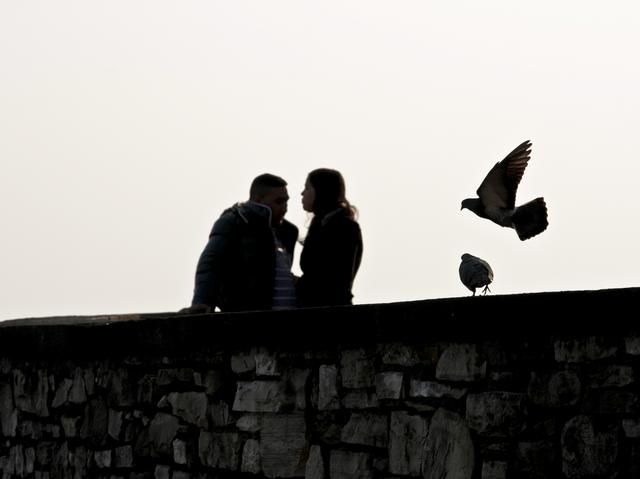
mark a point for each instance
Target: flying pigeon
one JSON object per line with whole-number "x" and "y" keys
{"x": 497, "y": 197}
{"x": 475, "y": 273}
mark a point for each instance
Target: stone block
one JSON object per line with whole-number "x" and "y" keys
{"x": 102, "y": 458}
{"x": 283, "y": 445}
{"x": 496, "y": 413}
{"x": 115, "y": 424}
{"x": 434, "y": 390}
{"x": 162, "y": 472}
{"x": 259, "y": 396}
{"x": 30, "y": 392}
{"x": 631, "y": 427}
{"x": 366, "y": 430}
{"x": 632, "y": 345}
{"x": 95, "y": 422}
{"x": 554, "y": 390}
{"x": 398, "y": 354}
{"x": 295, "y": 381}
{"x": 266, "y": 363}
{"x": 78, "y": 393}
{"x": 146, "y": 389}
{"x": 162, "y": 431}
{"x": 120, "y": 389}
{"x": 251, "y": 457}
{"x": 213, "y": 381}
{"x": 494, "y": 470}
{"x": 328, "y": 397}
{"x": 579, "y": 350}
{"x": 587, "y": 452}
{"x": 535, "y": 460}
{"x": 314, "y": 468}
{"x": 62, "y": 393}
{"x": 357, "y": 369}
{"x": 8, "y": 412}
{"x": 70, "y": 425}
{"x": 461, "y": 362}
{"x": 389, "y": 385}
{"x": 360, "y": 399}
{"x": 407, "y": 440}
{"x": 350, "y": 465}
{"x": 249, "y": 423}
{"x": 449, "y": 451}
{"x": 615, "y": 375}
{"x": 243, "y": 362}
{"x": 220, "y": 450}
{"x": 611, "y": 401}
{"x": 190, "y": 406}
{"x": 123, "y": 456}
{"x": 179, "y": 451}
{"x": 219, "y": 414}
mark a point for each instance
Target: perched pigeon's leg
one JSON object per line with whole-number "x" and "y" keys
{"x": 486, "y": 288}
{"x": 474, "y": 292}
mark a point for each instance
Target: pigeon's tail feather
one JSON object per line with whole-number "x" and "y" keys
{"x": 530, "y": 219}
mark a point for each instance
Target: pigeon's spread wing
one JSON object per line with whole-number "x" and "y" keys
{"x": 499, "y": 187}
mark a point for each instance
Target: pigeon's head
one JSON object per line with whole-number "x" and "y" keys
{"x": 466, "y": 204}
{"x": 465, "y": 257}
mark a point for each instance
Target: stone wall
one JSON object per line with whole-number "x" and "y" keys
{"x": 522, "y": 386}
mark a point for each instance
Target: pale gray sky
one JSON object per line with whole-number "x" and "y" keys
{"x": 126, "y": 127}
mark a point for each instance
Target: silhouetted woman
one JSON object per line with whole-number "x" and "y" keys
{"x": 332, "y": 248}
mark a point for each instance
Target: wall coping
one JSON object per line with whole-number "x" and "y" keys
{"x": 561, "y": 313}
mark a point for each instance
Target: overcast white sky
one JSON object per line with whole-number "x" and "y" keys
{"x": 126, "y": 127}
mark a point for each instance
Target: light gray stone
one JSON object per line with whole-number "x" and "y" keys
{"x": 89, "y": 381}
{"x": 8, "y": 412}
{"x": 461, "y": 362}
{"x": 259, "y": 396}
{"x": 315, "y": 464}
{"x": 585, "y": 452}
{"x": 283, "y": 445}
{"x": 62, "y": 393}
{"x": 251, "y": 457}
{"x": 79, "y": 460}
{"x": 190, "y": 406}
{"x": 243, "y": 362}
{"x": 398, "y": 354}
{"x": 328, "y": 388}
{"x": 266, "y": 363}
{"x": 432, "y": 389}
{"x": 220, "y": 450}
{"x": 70, "y": 425}
{"x": 389, "y": 385}
{"x": 558, "y": 389}
{"x": 350, "y": 465}
{"x": 78, "y": 394}
{"x": 496, "y": 413}
{"x": 29, "y": 460}
{"x": 146, "y": 389}
{"x": 494, "y": 470}
{"x": 115, "y": 424}
{"x": 30, "y": 392}
{"x": 296, "y": 381}
{"x": 449, "y": 451}
{"x": 366, "y": 430}
{"x": 162, "y": 431}
{"x": 95, "y": 421}
{"x": 162, "y": 472}
{"x": 248, "y": 423}
{"x": 578, "y": 350}
{"x": 407, "y": 440}
{"x": 357, "y": 369}
{"x": 179, "y": 451}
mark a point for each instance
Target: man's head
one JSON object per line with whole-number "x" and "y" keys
{"x": 271, "y": 191}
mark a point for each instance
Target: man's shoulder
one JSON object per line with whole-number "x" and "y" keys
{"x": 289, "y": 228}
{"x": 227, "y": 222}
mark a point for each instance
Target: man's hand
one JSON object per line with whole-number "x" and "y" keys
{"x": 196, "y": 309}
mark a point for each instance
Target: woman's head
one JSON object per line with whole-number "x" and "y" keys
{"x": 324, "y": 191}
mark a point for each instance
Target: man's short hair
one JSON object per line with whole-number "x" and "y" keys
{"x": 261, "y": 185}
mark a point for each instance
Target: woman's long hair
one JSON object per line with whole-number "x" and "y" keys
{"x": 330, "y": 193}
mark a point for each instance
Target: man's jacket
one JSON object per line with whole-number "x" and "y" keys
{"x": 236, "y": 270}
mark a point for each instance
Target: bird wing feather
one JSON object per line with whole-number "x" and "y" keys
{"x": 499, "y": 188}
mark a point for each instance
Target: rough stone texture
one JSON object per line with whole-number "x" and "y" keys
{"x": 243, "y": 362}
{"x": 586, "y": 452}
{"x": 559, "y": 389}
{"x": 219, "y": 414}
{"x": 123, "y": 456}
{"x": 220, "y": 450}
{"x": 612, "y": 376}
{"x": 266, "y": 363}
{"x": 95, "y": 422}
{"x": 611, "y": 401}
{"x": 62, "y": 393}
{"x": 433, "y": 389}
{"x": 366, "y": 429}
{"x": 461, "y": 362}
{"x": 449, "y": 451}
{"x": 162, "y": 431}
{"x": 283, "y": 445}
{"x": 577, "y": 350}
{"x": 496, "y": 413}
{"x": 8, "y": 413}
{"x": 631, "y": 427}
{"x": 295, "y": 380}
{"x": 249, "y": 423}
{"x": 407, "y": 440}
{"x": 30, "y": 392}
{"x": 114, "y": 427}
{"x": 360, "y": 399}
{"x": 251, "y": 457}
{"x": 259, "y": 396}
{"x": 315, "y": 464}
{"x": 494, "y": 470}
{"x": 389, "y": 385}
{"x": 632, "y": 345}
{"x": 350, "y": 465}
{"x": 535, "y": 460}
{"x": 398, "y": 354}
{"x": 191, "y": 407}
{"x": 328, "y": 397}
{"x": 357, "y": 369}
{"x": 78, "y": 394}
{"x": 213, "y": 381}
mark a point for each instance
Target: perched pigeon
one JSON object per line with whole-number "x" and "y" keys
{"x": 497, "y": 197}
{"x": 475, "y": 273}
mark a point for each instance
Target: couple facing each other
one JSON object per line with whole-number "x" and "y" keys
{"x": 246, "y": 264}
